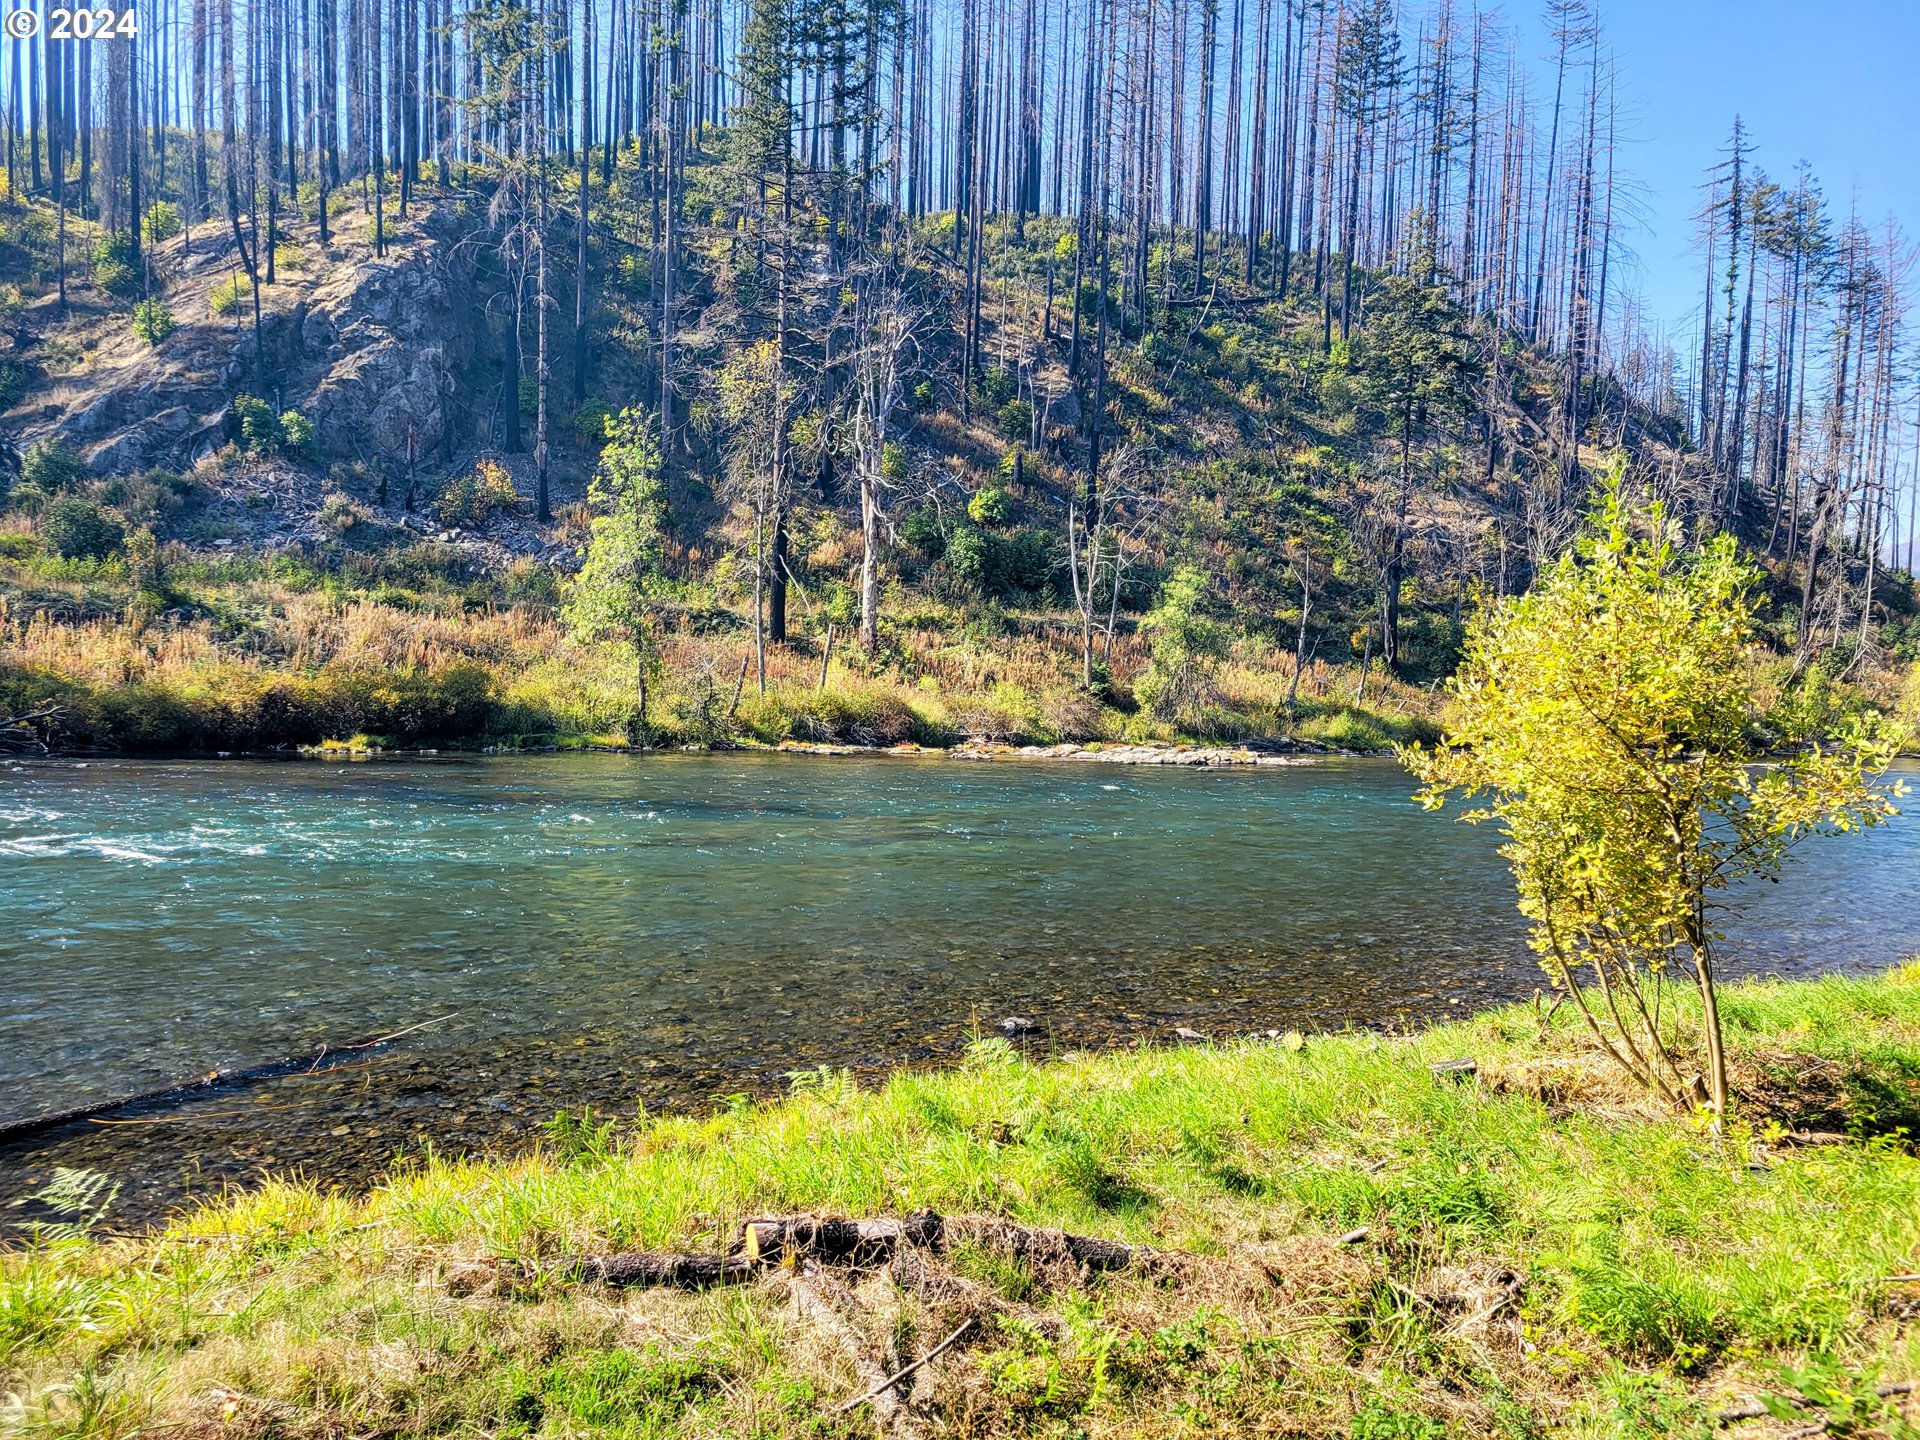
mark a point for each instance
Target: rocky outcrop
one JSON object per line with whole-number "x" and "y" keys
{"x": 388, "y": 372}
{"x": 379, "y": 354}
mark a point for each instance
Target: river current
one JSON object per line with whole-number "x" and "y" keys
{"x": 672, "y": 930}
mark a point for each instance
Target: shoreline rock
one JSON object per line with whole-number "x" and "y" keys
{"x": 1253, "y": 752}
{"x": 1275, "y": 751}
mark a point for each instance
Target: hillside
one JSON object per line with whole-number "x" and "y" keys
{"x": 377, "y": 568}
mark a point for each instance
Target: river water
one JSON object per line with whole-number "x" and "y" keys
{"x": 676, "y": 929}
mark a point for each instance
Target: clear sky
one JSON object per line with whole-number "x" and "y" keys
{"x": 1831, "y": 82}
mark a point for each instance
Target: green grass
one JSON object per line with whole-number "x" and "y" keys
{"x": 1662, "y": 1269}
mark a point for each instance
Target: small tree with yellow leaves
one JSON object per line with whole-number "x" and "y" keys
{"x": 1607, "y": 720}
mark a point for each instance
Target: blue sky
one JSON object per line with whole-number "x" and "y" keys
{"x": 1832, "y": 83}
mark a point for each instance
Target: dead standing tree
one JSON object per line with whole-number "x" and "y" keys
{"x": 886, "y": 319}
{"x": 1107, "y": 533}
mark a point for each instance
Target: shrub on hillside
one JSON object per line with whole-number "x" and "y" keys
{"x": 153, "y": 321}
{"x": 229, "y": 295}
{"x": 340, "y": 513}
{"x": 296, "y": 431}
{"x": 143, "y": 565}
{"x": 990, "y": 506}
{"x": 476, "y": 497}
{"x": 590, "y": 422}
{"x": 50, "y": 468}
{"x": 1016, "y": 420}
{"x": 1007, "y": 565}
{"x": 53, "y": 466}
{"x": 258, "y": 431}
{"x": 1025, "y": 562}
{"x": 113, "y": 267}
{"x": 921, "y": 530}
{"x": 162, "y": 222}
{"x": 995, "y": 387}
{"x": 76, "y": 529}
{"x": 967, "y": 554}
{"x": 150, "y": 498}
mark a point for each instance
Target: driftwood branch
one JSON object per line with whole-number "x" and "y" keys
{"x": 31, "y": 1125}
{"x": 30, "y": 732}
{"x": 894, "y": 1379}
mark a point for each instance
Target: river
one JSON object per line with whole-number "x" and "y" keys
{"x": 675, "y": 929}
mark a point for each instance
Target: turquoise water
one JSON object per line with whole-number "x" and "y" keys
{"x": 676, "y": 929}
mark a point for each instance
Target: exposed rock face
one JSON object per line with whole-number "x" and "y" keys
{"x": 377, "y": 353}
{"x": 385, "y": 384}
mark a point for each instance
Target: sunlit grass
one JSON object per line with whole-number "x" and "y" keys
{"x": 1648, "y": 1246}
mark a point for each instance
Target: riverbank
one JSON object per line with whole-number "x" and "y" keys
{"x": 230, "y": 651}
{"x": 1346, "y": 1241}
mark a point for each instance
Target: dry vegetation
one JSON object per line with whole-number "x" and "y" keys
{"x": 413, "y": 648}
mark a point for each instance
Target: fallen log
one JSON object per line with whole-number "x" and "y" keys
{"x": 1043, "y": 1247}
{"x": 176, "y": 1094}
{"x": 835, "y": 1239}
{"x": 789, "y": 1241}
{"x": 656, "y": 1269}
{"x": 30, "y": 732}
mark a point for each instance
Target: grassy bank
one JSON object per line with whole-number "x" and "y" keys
{"x": 1543, "y": 1255}
{"x": 421, "y": 647}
